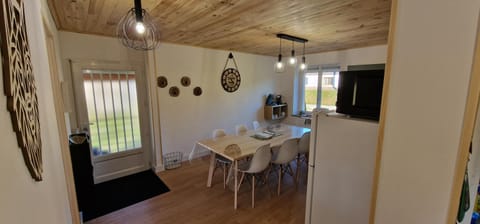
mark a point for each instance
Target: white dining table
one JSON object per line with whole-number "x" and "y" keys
{"x": 247, "y": 147}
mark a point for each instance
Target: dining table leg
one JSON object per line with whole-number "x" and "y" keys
{"x": 211, "y": 169}
{"x": 235, "y": 163}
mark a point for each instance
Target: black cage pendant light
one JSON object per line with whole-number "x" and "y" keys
{"x": 136, "y": 30}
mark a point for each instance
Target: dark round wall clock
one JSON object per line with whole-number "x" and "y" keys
{"x": 230, "y": 76}
{"x": 231, "y": 80}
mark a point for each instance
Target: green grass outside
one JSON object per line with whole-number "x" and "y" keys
{"x": 125, "y": 139}
{"x": 329, "y": 97}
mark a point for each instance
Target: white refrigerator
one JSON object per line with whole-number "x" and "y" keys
{"x": 341, "y": 167}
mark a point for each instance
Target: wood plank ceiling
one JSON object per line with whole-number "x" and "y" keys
{"x": 240, "y": 25}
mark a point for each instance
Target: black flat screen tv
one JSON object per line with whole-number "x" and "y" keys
{"x": 360, "y": 93}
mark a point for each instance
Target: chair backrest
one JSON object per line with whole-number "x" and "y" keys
{"x": 218, "y": 133}
{"x": 304, "y": 143}
{"x": 256, "y": 125}
{"x": 260, "y": 159}
{"x": 287, "y": 152}
{"x": 240, "y": 129}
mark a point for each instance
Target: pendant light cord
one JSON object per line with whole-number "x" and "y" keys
{"x": 138, "y": 10}
{"x": 280, "y": 46}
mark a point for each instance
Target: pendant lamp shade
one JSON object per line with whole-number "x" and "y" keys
{"x": 136, "y": 30}
{"x": 279, "y": 67}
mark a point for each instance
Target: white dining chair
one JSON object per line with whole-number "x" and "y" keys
{"x": 221, "y": 161}
{"x": 282, "y": 156}
{"x": 240, "y": 129}
{"x": 218, "y": 133}
{"x": 258, "y": 164}
{"x": 256, "y": 125}
{"x": 303, "y": 149}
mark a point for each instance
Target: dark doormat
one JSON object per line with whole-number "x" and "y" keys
{"x": 113, "y": 195}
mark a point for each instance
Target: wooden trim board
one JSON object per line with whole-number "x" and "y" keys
{"x": 62, "y": 130}
{"x": 383, "y": 111}
{"x": 467, "y": 131}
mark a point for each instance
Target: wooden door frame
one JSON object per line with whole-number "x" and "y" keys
{"x": 468, "y": 127}
{"x": 61, "y": 124}
{"x": 383, "y": 110}
{"x": 154, "y": 107}
{"x": 76, "y": 66}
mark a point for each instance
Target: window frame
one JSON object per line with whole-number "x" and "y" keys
{"x": 302, "y": 91}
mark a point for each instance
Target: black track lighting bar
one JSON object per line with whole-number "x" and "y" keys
{"x": 292, "y": 38}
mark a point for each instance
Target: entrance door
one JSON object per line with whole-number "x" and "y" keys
{"x": 112, "y": 106}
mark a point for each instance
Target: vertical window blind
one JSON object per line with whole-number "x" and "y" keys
{"x": 112, "y": 105}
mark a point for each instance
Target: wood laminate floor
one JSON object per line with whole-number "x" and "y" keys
{"x": 190, "y": 201}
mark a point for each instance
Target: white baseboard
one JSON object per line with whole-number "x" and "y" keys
{"x": 201, "y": 153}
{"x": 159, "y": 168}
{"x": 121, "y": 173}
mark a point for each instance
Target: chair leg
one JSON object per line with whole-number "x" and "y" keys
{"x": 266, "y": 173}
{"x": 253, "y": 191}
{"x": 289, "y": 167}
{"x": 241, "y": 180}
{"x": 224, "y": 175}
{"x": 279, "y": 180}
{"x": 297, "y": 173}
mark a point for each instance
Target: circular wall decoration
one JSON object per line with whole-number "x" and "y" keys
{"x": 162, "y": 82}
{"x": 230, "y": 80}
{"x": 185, "y": 81}
{"x": 197, "y": 91}
{"x": 174, "y": 91}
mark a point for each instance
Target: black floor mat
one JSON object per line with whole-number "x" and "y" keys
{"x": 119, "y": 193}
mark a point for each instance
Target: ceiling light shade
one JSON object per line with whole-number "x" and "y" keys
{"x": 279, "y": 66}
{"x": 293, "y": 59}
{"x": 136, "y": 30}
{"x": 303, "y": 66}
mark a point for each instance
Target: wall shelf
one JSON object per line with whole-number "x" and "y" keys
{"x": 276, "y": 112}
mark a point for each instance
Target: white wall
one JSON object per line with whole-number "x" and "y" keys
{"x": 344, "y": 159}
{"x": 22, "y": 200}
{"x": 357, "y": 56}
{"x": 432, "y": 58}
{"x": 188, "y": 118}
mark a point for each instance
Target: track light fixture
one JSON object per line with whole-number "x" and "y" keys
{"x": 292, "y": 60}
